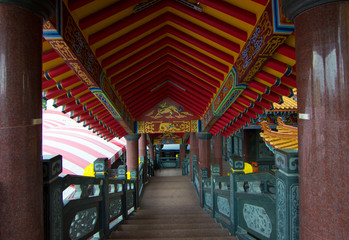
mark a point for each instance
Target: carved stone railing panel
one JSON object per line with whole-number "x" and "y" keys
{"x": 255, "y": 206}
{"x": 92, "y": 208}
{"x": 84, "y": 223}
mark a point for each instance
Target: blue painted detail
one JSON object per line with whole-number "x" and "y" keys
{"x": 55, "y": 103}
{"x": 268, "y": 90}
{"x": 95, "y": 89}
{"x": 77, "y": 101}
{"x": 47, "y": 75}
{"x": 136, "y": 126}
{"x": 69, "y": 93}
{"x": 270, "y": 147}
{"x": 44, "y": 95}
{"x": 279, "y": 27}
{"x": 288, "y": 71}
{"x": 47, "y": 34}
{"x": 199, "y": 126}
{"x": 291, "y": 95}
{"x": 256, "y": 44}
{"x": 278, "y": 82}
{"x": 59, "y": 85}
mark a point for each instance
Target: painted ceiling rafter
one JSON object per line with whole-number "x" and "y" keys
{"x": 197, "y": 50}
{"x": 145, "y": 81}
{"x": 171, "y": 76}
{"x": 152, "y": 52}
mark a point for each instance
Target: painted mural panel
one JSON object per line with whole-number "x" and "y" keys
{"x": 168, "y": 117}
{"x": 167, "y": 110}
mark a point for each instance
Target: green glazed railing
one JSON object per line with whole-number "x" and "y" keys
{"x": 93, "y": 206}
{"x": 169, "y": 162}
{"x": 255, "y": 206}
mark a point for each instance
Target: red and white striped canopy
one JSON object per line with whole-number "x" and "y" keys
{"x": 78, "y": 146}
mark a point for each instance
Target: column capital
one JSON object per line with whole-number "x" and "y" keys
{"x": 204, "y": 135}
{"x": 291, "y": 8}
{"x": 132, "y": 137}
{"x": 43, "y": 8}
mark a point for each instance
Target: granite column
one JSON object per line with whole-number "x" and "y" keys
{"x": 21, "y": 173}
{"x": 322, "y": 54}
{"x": 152, "y": 156}
{"x": 218, "y": 152}
{"x": 132, "y": 157}
{"x": 204, "y": 160}
{"x": 182, "y": 153}
{"x": 193, "y": 151}
{"x": 142, "y": 152}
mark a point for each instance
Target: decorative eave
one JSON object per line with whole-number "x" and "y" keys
{"x": 285, "y": 138}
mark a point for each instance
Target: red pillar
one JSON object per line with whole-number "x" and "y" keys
{"x": 322, "y": 50}
{"x": 132, "y": 156}
{"x": 204, "y": 142}
{"x": 142, "y": 152}
{"x": 218, "y": 151}
{"x": 193, "y": 151}
{"x": 132, "y": 151}
{"x": 182, "y": 153}
{"x": 151, "y": 149}
{"x": 21, "y": 201}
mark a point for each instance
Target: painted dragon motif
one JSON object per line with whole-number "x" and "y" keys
{"x": 169, "y": 111}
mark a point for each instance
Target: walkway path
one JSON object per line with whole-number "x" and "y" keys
{"x": 170, "y": 210}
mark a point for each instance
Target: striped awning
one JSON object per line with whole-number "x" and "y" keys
{"x": 78, "y": 146}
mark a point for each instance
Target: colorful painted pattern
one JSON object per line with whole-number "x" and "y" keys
{"x": 167, "y": 127}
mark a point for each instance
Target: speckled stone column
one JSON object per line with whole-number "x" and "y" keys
{"x": 322, "y": 50}
{"x": 142, "y": 152}
{"x": 218, "y": 151}
{"x": 193, "y": 151}
{"x": 204, "y": 142}
{"x": 21, "y": 183}
{"x": 152, "y": 154}
{"x": 182, "y": 153}
{"x": 132, "y": 156}
{"x": 132, "y": 151}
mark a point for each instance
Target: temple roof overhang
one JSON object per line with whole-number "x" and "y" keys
{"x": 110, "y": 63}
{"x": 286, "y": 137}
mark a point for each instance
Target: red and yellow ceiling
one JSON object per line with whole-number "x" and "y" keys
{"x": 109, "y": 62}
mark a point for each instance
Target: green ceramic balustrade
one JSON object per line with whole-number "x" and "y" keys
{"x": 92, "y": 206}
{"x": 261, "y": 205}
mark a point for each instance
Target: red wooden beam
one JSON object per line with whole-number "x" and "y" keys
{"x": 210, "y": 20}
{"x": 232, "y": 10}
{"x": 105, "y": 13}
